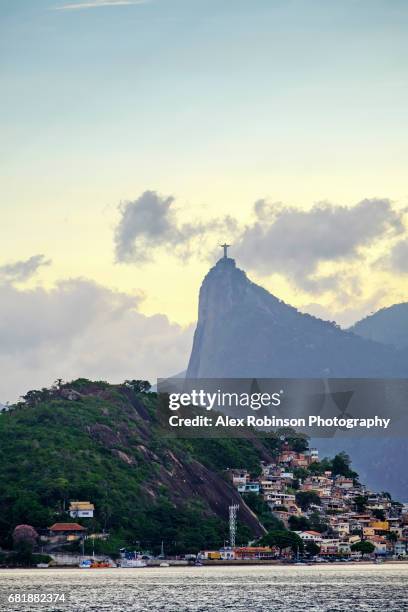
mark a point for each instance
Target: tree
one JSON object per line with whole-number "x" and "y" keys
{"x": 391, "y": 536}
{"x": 138, "y": 386}
{"x": 283, "y": 539}
{"x": 300, "y": 473}
{"x": 33, "y": 397}
{"x": 263, "y": 512}
{"x": 295, "y": 441}
{"x": 299, "y": 523}
{"x": 379, "y": 514}
{"x": 365, "y": 547}
{"x": 360, "y": 502}
{"x": 24, "y": 534}
{"x": 312, "y": 548}
{"x": 341, "y": 466}
{"x": 57, "y": 385}
{"x": 24, "y": 539}
{"x": 27, "y": 506}
{"x": 305, "y": 499}
{"x": 318, "y": 522}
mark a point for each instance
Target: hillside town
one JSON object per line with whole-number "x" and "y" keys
{"x": 320, "y": 515}
{"x": 284, "y": 502}
{"x": 340, "y": 516}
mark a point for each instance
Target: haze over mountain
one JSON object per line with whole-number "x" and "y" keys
{"x": 388, "y": 325}
{"x": 243, "y": 331}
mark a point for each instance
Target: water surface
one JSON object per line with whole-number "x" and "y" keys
{"x": 200, "y": 589}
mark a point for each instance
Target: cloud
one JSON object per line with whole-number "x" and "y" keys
{"x": 77, "y": 6}
{"x": 150, "y": 222}
{"x": 397, "y": 261}
{"x": 80, "y": 328}
{"x": 295, "y": 242}
{"x": 20, "y": 271}
{"x": 285, "y": 240}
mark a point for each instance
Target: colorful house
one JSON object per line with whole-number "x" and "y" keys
{"x": 81, "y": 509}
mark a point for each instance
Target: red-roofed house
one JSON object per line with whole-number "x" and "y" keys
{"x": 66, "y": 531}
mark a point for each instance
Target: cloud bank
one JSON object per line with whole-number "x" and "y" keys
{"x": 80, "y": 328}
{"x": 289, "y": 241}
{"x": 398, "y": 258}
{"x": 295, "y": 242}
{"x": 150, "y": 223}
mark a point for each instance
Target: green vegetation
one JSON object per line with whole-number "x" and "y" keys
{"x": 365, "y": 547}
{"x": 22, "y": 559}
{"x": 312, "y": 548}
{"x": 379, "y": 514}
{"x": 305, "y": 499}
{"x": 263, "y": 512}
{"x": 339, "y": 466}
{"x": 299, "y": 523}
{"x": 99, "y": 442}
{"x": 104, "y": 443}
{"x": 360, "y": 502}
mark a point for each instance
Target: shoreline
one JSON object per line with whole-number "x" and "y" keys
{"x": 218, "y": 563}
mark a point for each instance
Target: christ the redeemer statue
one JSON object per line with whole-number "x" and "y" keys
{"x": 225, "y": 247}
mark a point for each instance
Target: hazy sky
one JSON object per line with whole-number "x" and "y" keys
{"x": 208, "y": 120}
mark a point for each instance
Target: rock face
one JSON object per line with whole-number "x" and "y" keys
{"x": 245, "y": 331}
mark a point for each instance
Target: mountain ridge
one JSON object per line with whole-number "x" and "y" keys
{"x": 388, "y": 325}
{"x": 244, "y": 331}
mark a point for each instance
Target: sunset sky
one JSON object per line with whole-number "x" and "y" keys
{"x": 138, "y": 135}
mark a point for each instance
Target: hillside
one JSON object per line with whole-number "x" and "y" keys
{"x": 388, "y": 325}
{"x": 102, "y": 442}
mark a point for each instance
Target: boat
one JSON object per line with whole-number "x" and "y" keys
{"x": 100, "y": 564}
{"x": 164, "y": 564}
{"x": 132, "y": 559}
{"x": 135, "y": 562}
{"x": 94, "y": 564}
{"x": 42, "y": 565}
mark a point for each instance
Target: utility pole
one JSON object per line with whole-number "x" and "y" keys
{"x": 233, "y": 509}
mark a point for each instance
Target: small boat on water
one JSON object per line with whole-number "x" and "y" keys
{"x": 130, "y": 559}
{"x": 93, "y": 564}
{"x": 42, "y": 565}
{"x": 128, "y": 563}
{"x": 100, "y": 564}
{"x": 164, "y": 564}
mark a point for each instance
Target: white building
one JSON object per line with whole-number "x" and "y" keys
{"x": 310, "y": 536}
{"x": 279, "y": 498}
{"x": 81, "y": 509}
